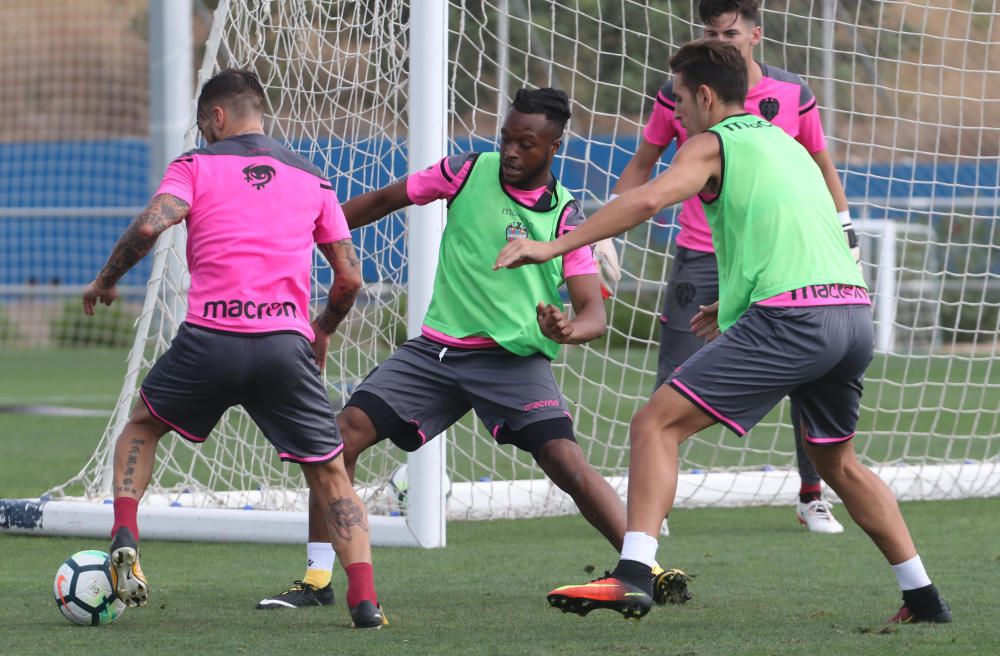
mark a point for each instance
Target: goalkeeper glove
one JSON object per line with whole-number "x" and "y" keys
{"x": 852, "y": 237}
{"x": 607, "y": 259}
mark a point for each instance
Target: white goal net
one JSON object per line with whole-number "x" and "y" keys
{"x": 910, "y": 92}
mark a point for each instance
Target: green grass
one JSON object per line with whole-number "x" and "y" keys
{"x": 762, "y": 586}
{"x": 915, "y": 409}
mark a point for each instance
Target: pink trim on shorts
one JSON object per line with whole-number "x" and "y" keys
{"x": 496, "y": 429}
{"x": 829, "y": 440}
{"x": 697, "y": 400}
{"x": 470, "y": 342}
{"x": 416, "y": 424}
{"x": 820, "y": 295}
{"x": 177, "y": 429}
{"x": 310, "y": 459}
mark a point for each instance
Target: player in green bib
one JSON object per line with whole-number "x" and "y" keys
{"x": 488, "y": 336}
{"x": 793, "y": 319}
{"x": 764, "y": 246}
{"x": 467, "y": 300}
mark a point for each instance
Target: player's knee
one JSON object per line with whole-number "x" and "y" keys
{"x": 143, "y": 419}
{"x": 329, "y": 474}
{"x": 833, "y": 463}
{"x": 646, "y": 425}
{"x": 563, "y": 462}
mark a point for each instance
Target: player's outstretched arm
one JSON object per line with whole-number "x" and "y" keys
{"x": 346, "y": 284}
{"x": 374, "y": 205}
{"x": 589, "y": 321}
{"x": 628, "y": 210}
{"x": 138, "y": 239}
{"x": 696, "y": 163}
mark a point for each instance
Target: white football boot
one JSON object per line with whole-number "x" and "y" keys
{"x": 818, "y": 517}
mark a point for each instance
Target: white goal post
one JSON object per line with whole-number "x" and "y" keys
{"x": 369, "y": 90}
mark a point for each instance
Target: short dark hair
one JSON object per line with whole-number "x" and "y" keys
{"x": 714, "y": 63}
{"x": 711, "y": 9}
{"x": 551, "y": 102}
{"x": 238, "y": 88}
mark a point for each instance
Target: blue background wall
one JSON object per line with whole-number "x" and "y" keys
{"x": 114, "y": 174}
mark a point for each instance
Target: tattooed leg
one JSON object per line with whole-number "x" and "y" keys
{"x": 342, "y": 515}
{"x": 345, "y": 514}
{"x": 135, "y": 452}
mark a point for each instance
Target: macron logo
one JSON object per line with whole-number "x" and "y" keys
{"x": 235, "y": 309}
{"x": 534, "y": 405}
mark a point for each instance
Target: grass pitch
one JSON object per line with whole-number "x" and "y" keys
{"x": 762, "y": 585}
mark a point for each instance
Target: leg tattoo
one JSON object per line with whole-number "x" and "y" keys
{"x": 342, "y": 515}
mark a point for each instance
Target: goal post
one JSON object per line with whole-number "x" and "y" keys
{"x": 369, "y": 91}
{"x": 428, "y": 141}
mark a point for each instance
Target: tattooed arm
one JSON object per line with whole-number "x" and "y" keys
{"x": 137, "y": 240}
{"x": 343, "y": 291}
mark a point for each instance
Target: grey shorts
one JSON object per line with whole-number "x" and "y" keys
{"x": 815, "y": 355}
{"x": 273, "y": 376}
{"x": 694, "y": 281}
{"x": 427, "y": 387}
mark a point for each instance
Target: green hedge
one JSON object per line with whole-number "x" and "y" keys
{"x": 8, "y": 329}
{"x": 108, "y": 327}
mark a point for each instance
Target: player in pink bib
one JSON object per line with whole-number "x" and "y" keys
{"x": 254, "y": 212}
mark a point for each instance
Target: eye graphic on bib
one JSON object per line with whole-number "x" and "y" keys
{"x": 259, "y": 175}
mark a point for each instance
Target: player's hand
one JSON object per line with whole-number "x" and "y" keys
{"x": 94, "y": 293}
{"x": 705, "y": 323}
{"x": 554, "y": 323}
{"x": 320, "y": 345}
{"x": 523, "y": 251}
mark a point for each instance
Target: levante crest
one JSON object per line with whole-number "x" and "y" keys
{"x": 516, "y": 230}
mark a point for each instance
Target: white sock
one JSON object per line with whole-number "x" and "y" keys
{"x": 911, "y": 574}
{"x": 320, "y": 555}
{"x": 639, "y": 547}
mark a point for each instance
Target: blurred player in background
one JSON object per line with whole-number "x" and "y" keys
{"x": 254, "y": 212}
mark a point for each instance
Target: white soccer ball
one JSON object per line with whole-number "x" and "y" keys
{"x": 399, "y": 484}
{"x": 83, "y": 589}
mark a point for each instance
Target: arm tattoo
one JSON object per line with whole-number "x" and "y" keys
{"x": 346, "y": 281}
{"x": 137, "y": 240}
{"x": 342, "y": 515}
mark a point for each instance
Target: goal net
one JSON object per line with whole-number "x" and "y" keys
{"x": 910, "y": 92}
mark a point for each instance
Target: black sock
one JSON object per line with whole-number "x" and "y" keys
{"x": 635, "y": 573}
{"x": 808, "y": 497}
{"x": 922, "y": 600}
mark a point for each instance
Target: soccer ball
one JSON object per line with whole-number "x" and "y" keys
{"x": 83, "y": 589}
{"x": 399, "y": 485}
